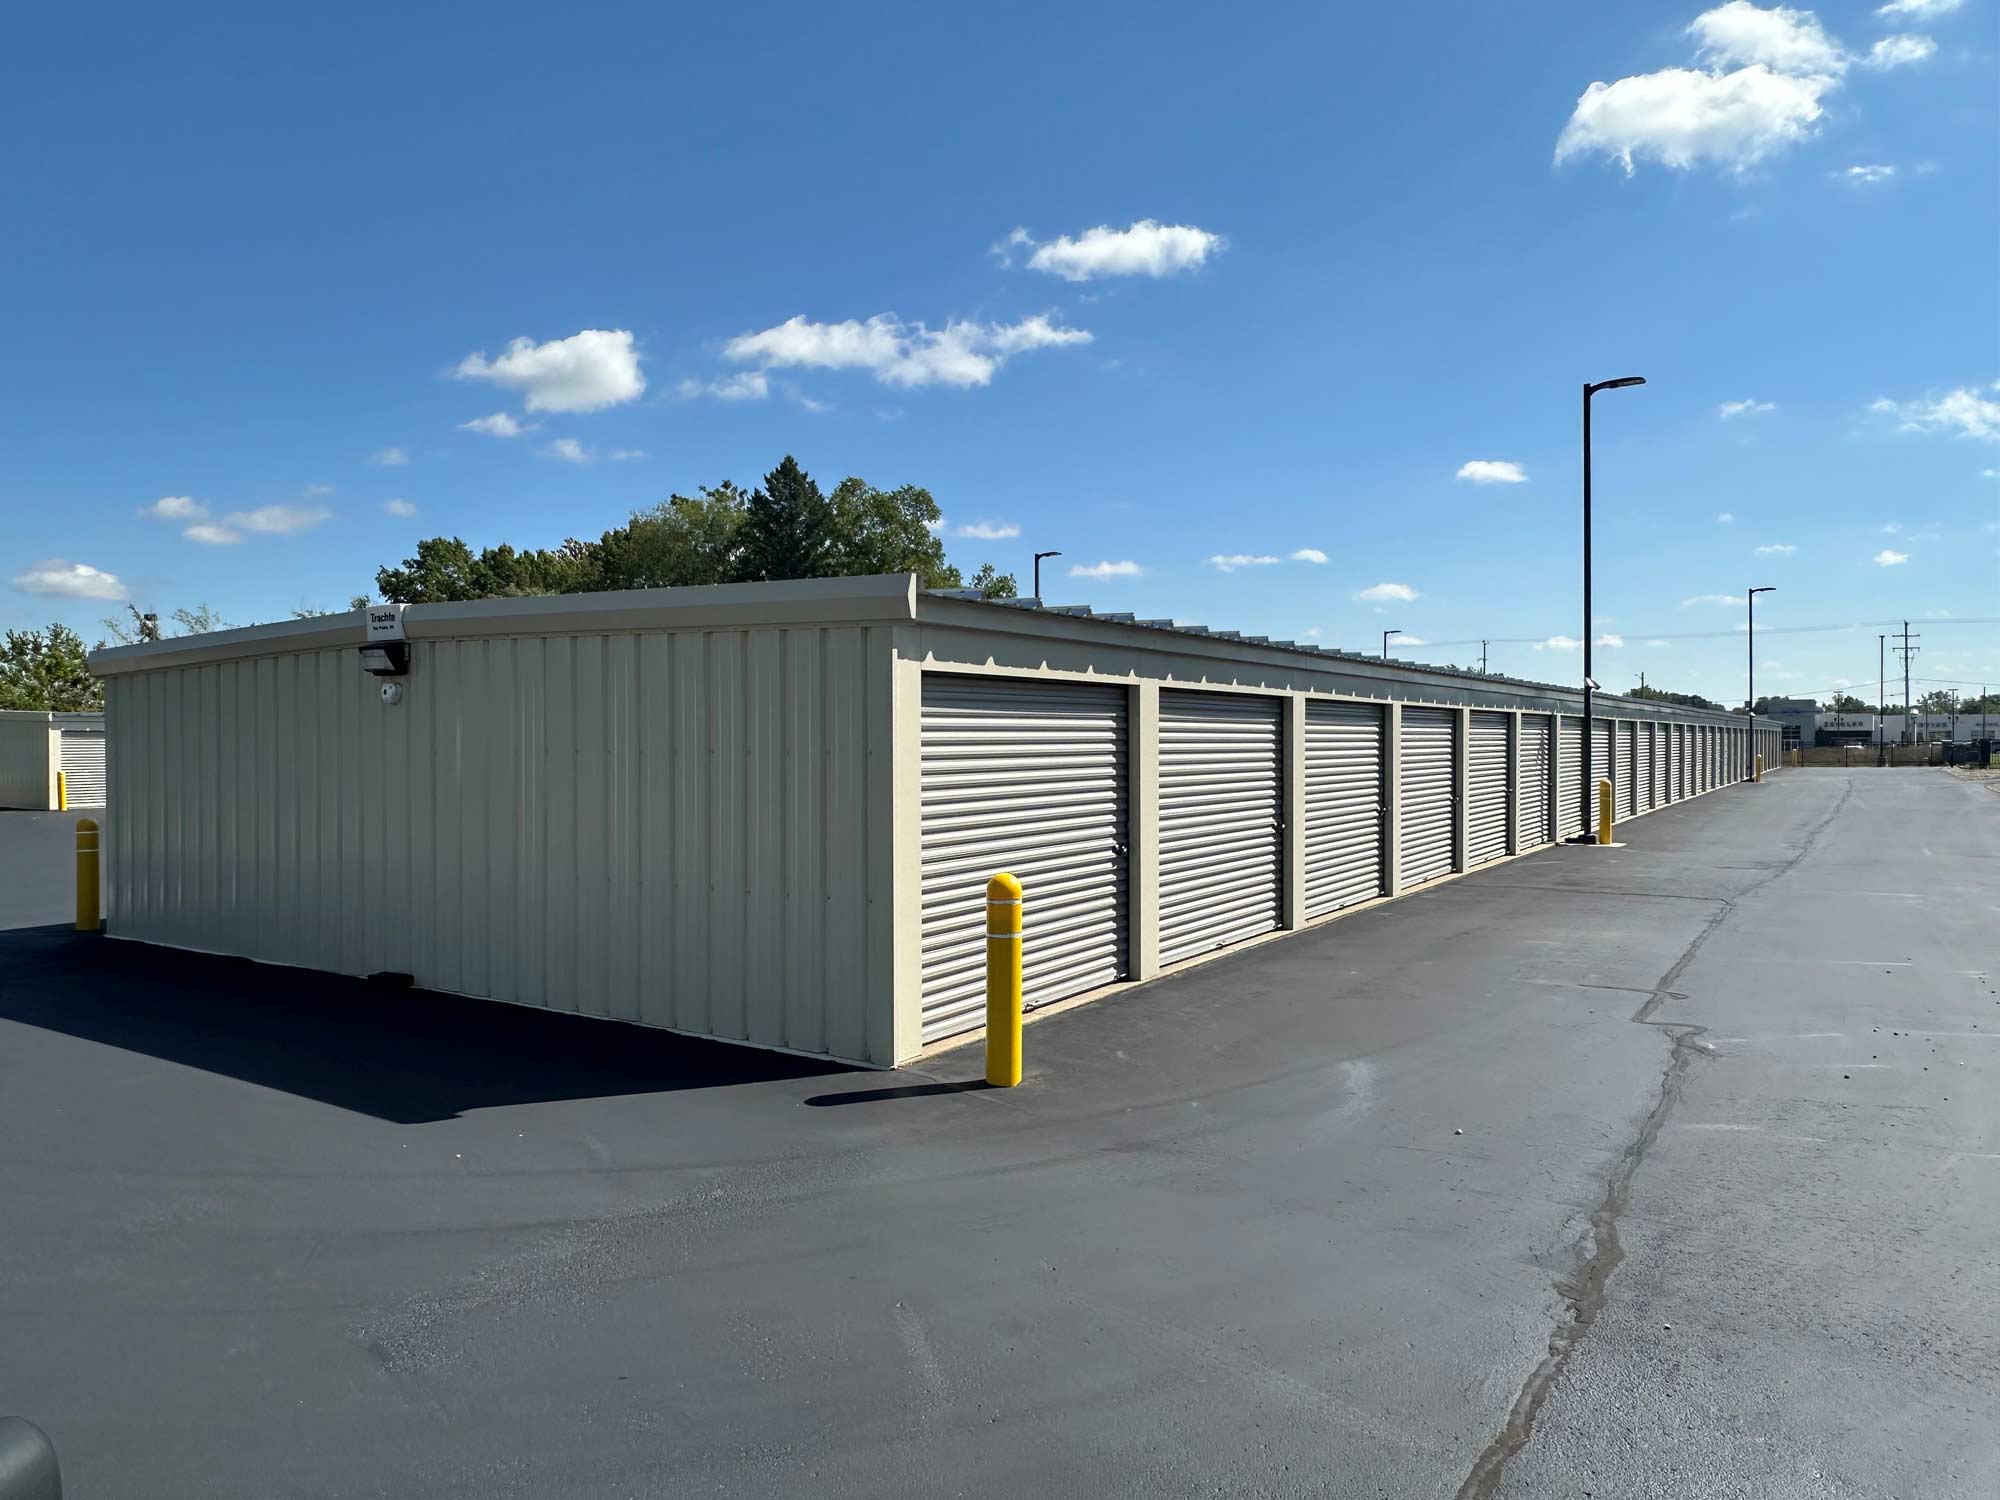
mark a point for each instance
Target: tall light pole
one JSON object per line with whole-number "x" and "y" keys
{"x": 1038, "y": 572}
{"x": 1589, "y": 683}
{"x": 1881, "y": 687}
{"x": 1385, "y": 642}
{"x": 1750, "y": 691}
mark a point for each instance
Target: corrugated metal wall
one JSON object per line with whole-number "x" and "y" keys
{"x": 1570, "y": 820}
{"x": 1429, "y": 793}
{"x": 1344, "y": 805}
{"x": 667, "y": 827}
{"x": 1221, "y": 819}
{"x": 1488, "y": 782}
{"x": 28, "y": 752}
{"x": 1532, "y": 808}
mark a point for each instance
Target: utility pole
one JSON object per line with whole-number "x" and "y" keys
{"x": 1482, "y": 658}
{"x": 1881, "y": 688}
{"x": 1906, "y": 650}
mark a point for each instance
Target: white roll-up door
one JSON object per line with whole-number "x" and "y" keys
{"x": 1642, "y": 766}
{"x": 1344, "y": 797}
{"x": 1030, "y": 778}
{"x": 1569, "y": 787}
{"x": 1658, "y": 751}
{"x": 1221, "y": 819}
{"x": 1602, "y": 767}
{"x": 1486, "y": 783}
{"x": 1705, "y": 762}
{"x": 83, "y": 766}
{"x": 1625, "y": 780}
{"x": 1531, "y": 797}
{"x": 1427, "y": 769}
{"x": 1683, "y": 759}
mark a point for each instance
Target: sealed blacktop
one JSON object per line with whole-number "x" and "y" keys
{"x": 1664, "y": 1170}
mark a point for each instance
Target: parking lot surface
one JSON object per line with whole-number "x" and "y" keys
{"x": 1669, "y": 1169}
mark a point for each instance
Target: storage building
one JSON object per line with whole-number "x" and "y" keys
{"x": 35, "y": 746}
{"x": 767, "y": 812}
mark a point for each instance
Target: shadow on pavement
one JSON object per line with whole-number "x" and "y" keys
{"x": 405, "y": 1055}
{"x": 903, "y": 1091}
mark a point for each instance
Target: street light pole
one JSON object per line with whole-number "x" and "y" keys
{"x": 1589, "y": 684}
{"x": 1038, "y": 572}
{"x": 1385, "y": 642}
{"x": 1750, "y": 693}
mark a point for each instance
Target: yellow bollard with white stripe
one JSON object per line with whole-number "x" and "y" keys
{"x": 1604, "y": 811}
{"x": 62, "y": 791}
{"x": 87, "y": 919}
{"x": 1003, "y": 981}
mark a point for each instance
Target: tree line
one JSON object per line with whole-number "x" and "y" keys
{"x": 785, "y": 528}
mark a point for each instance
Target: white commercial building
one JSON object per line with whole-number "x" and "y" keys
{"x": 767, "y": 812}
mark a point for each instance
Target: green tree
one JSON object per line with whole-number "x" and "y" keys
{"x": 684, "y": 540}
{"x": 1845, "y": 703}
{"x": 788, "y": 531}
{"x": 888, "y": 531}
{"x": 47, "y": 671}
{"x": 993, "y": 584}
{"x": 130, "y": 628}
{"x": 1937, "y": 701}
{"x": 446, "y": 569}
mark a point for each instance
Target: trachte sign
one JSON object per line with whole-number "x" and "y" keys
{"x": 385, "y": 622}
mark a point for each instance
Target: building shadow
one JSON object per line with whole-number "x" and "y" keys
{"x": 409, "y": 1056}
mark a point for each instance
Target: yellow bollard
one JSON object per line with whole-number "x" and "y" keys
{"x": 86, "y": 875}
{"x": 62, "y": 791}
{"x": 1604, "y": 811}
{"x": 1757, "y": 772}
{"x": 1003, "y": 981}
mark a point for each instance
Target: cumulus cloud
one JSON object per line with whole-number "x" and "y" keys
{"x": 1917, "y": 10}
{"x": 1386, "y": 593}
{"x": 587, "y": 371}
{"x": 962, "y": 354}
{"x": 1727, "y": 518}
{"x": 176, "y": 508}
{"x": 1760, "y": 87}
{"x": 1966, "y": 411}
{"x": 501, "y": 425}
{"x": 1492, "y": 471}
{"x": 987, "y": 531}
{"x": 69, "y": 580}
{"x": 1725, "y": 599}
{"x": 1865, "y": 175}
{"x": 399, "y": 507}
{"x": 1774, "y": 549}
{"x": 1308, "y": 555}
{"x": 745, "y": 385}
{"x": 389, "y": 458}
{"x": 1571, "y": 643}
{"x": 1732, "y": 409}
{"x": 569, "y": 450}
{"x": 212, "y": 534}
{"x": 1889, "y": 558}
{"x": 1125, "y": 569}
{"x": 279, "y": 520}
{"x": 1230, "y": 562}
{"x": 1146, "y": 248}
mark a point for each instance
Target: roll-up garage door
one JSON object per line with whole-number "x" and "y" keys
{"x": 1625, "y": 780}
{"x": 1221, "y": 806}
{"x": 1642, "y": 767}
{"x": 1602, "y": 768}
{"x": 1531, "y": 797}
{"x": 1027, "y": 777}
{"x": 1659, "y": 754}
{"x": 83, "y": 766}
{"x": 1569, "y": 785}
{"x": 1486, "y": 783}
{"x": 1343, "y": 832}
{"x": 1427, "y": 795}
{"x": 1705, "y": 761}
{"x": 1676, "y": 763}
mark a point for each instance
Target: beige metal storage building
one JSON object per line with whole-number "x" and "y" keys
{"x": 766, "y": 812}
{"x": 34, "y": 746}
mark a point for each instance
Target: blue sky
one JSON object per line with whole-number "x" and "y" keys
{"x": 1282, "y": 274}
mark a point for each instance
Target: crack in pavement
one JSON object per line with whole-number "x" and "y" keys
{"x": 1586, "y": 1289}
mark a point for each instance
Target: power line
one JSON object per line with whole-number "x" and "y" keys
{"x": 1696, "y": 635}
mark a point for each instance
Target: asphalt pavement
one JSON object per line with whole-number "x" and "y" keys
{"x": 1669, "y": 1169}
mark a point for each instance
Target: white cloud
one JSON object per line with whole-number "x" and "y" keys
{"x": 71, "y": 580}
{"x": 279, "y": 520}
{"x": 1730, "y": 599}
{"x": 569, "y": 450}
{"x": 1403, "y": 639}
{"x": 1774, "y": 549}
{"x": 1308, "y": 555}
{"x": 1608, "y": 639}
{"x": 1309, "y": 635}
{"x": 587, "y": 371}
{"x": 176, "y": 508}
{"x": 389, "y": 458}
{"x": 1989, "y": 473}
{"x": 627, "y": 455}
{"x": 1730, "y": 409}
{"x": 319, "y": 491}
{"x": 987, "y": 531}
{"x": 745, "y": 385}
{"x": 501, "y": 425}
{"x": 1966, "y": 411}
{"x": 1890, "y": 529}
{"x": 1865, "y": 175}
{"x": 1681, "y": 117}
{"x": 811, "y": 405}
{"x": 896, "y": 353}
{"x": 1492, "y": 471}
{"x": 1887, "y": 558}
{"x": 1559, "y": 643}
{"x": 1899, "y": 51}
{"x": 1230, "y": 562}
{"x": 210, "y": 534}
{"x": 399, "y": 507}
{"x": 1917, "y": 10}
{"x": 1727, "y": 518}
{"x": 1147, "y": 248}
{"x": 1784, "y": 40}
{"x": 1126, "y": 569}
{"x": 1384, "y": 593}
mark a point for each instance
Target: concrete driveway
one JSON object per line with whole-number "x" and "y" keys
{"x": 1664, "y": 1170}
